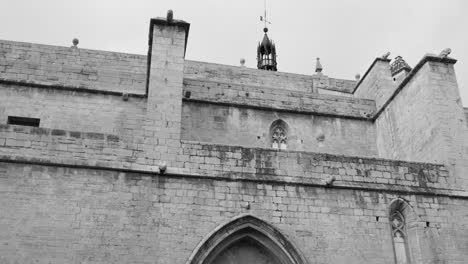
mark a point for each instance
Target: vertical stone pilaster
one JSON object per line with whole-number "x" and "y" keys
{"x": 449, "y": 116}
{"x": 165, "y": 80}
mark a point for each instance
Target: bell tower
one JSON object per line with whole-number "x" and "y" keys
{"x": 266, "y": 54}
{"x": 266, "y": 50}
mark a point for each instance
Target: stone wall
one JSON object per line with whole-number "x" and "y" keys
{"x": 270, "y": 98}
{"x": 250, "y": 127}
{"x": 377, "y": 83}
{"x": 70, "y": 147}
{"x": 214, "y": 161}
{"x": 121, "y": 72}
{"x": 247, "y": 76}
{"x": 87, "y": 186}
{"x": 72, "y": 67}
{"x": 425, "y": 121}
{"x": 75, "y": 111}
{"x": 74, "y": 215}
{"x": 466, "y": 114}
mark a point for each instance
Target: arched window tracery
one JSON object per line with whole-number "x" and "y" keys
{"x": 278, "y": 133}
{"x": 279, "y": 138}
{"x": 397, "y": 219}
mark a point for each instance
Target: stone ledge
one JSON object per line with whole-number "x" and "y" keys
{"x": 176, "y": 173}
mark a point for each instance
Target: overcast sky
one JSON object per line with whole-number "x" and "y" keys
{"x": 347, "y": 35}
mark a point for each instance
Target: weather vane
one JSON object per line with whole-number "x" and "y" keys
{"x": 264, "y": 18}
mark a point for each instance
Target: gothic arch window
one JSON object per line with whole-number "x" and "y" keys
{"x": 398, "y": 225}
{"x": 246, "y": 240}
{"x": 279, "y": 134}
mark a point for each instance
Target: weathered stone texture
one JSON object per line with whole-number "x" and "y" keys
{"x": 278, "y": 98}
{"x": 70, "y": 147}
{"x": 230, "y": 125}
{"x": 433, "y": 129}
{"x": 74, "y": 111}
{"x": 377, "y": 84}
{"x": 240, "y": 75}
{"x": 466, "y": 114}
{"x": 71, "y": 215}
{"x": 164, "y": 106}
{"x": 215, "y": 161}
{"x": 72, "y": 67}
{"x": 126, "y": 73}
{"x": 87, "y": 185}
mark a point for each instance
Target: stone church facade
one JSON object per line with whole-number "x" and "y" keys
{"x": 109, "y": 157}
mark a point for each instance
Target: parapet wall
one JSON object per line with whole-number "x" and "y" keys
{"x": 126, "y": 73}
{"x": 204, "y": 71}
{"x": 72, "y": 67}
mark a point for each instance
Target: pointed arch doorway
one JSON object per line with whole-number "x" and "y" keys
{"x": 246, "y": 240}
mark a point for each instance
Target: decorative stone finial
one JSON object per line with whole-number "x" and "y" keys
{"x": 398, "y": 65}
{"x": 75, "y": 42}
{"x": 170, "y": 16}
{"x": 357, "y": 76}
{"x": 242, "y": 62}
{"x": 445, "y": 53}
{"x": 318, "y": 66}
{"x": 385, "y": 56}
